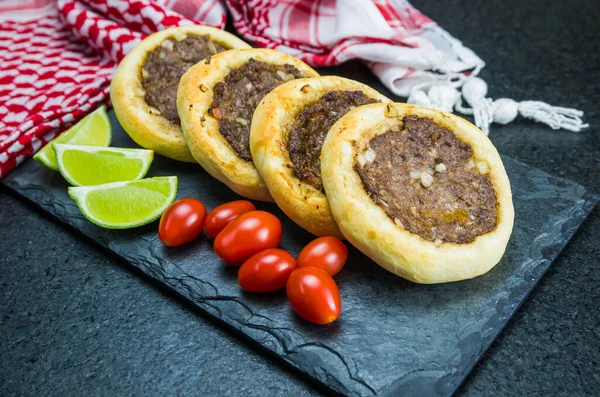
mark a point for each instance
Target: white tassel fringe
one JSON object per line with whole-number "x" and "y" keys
{"x": 446, "y": 97}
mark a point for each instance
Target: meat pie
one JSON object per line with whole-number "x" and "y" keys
{"x": 288, "y": 130}
{"x": 216, "y": 102}
{"x": 144, "y": 88}
{"x": 422, "y": 192}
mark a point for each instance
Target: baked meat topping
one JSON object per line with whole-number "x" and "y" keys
{"x": 166, "y": 64}
{"x": 236, "y": 98}
{"x": 427, "y": 181}
{"x": 311, "y": 127}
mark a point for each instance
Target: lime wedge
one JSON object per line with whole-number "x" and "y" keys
{"x": 93, "y": 130}
{"x": 123, "y": 205}
{"x": 92, "y": 165}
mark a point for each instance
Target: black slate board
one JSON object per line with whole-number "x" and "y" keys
{"x": 393, "y": 337}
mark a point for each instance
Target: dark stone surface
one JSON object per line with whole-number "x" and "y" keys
{"x": 74, "y": 321}
{"x": 423, "y": 340}
{"x": 146, "y": 343}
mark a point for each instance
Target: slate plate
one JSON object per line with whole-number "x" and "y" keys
{"x": 393, "y": 337}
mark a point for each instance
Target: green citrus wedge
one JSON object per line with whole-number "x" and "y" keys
{"x": 123, "y": 205}
{"x": 93, "y": 130}
{"x": 92, "y": 165}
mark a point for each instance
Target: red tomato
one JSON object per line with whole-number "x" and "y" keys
{"x": 247, "y": 235}
{"x": 220, "y": 216}
{"x": 326, "y": 253}
{"x": 182, "y": 222}
{"x": 314, "y": 295}
{"x": 266, "y": 271}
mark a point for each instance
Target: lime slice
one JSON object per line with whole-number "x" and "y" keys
{"x": 92, "y": 165}
{"x": 93, "y": 130}
{"x": 123, "y": 205}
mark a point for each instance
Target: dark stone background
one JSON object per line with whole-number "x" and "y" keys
{"x": 74, "y": 321}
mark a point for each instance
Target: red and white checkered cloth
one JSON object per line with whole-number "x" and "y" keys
{"x": 58, "y": 56}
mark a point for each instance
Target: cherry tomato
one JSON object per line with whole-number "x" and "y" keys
{"x": 266, "y": 271}
{"x": 220, "y": 216}
{"x": 314, "y": 295}
{"x": 182, "y": 222}
{"x": 327, "y": 253}
{"x": 247, "y": 235}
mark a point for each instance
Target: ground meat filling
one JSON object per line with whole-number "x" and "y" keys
{"x": 166, "y": 64}
{"x": 311, "y": 127}
{"x": 426, "y": 180}
{"x": 237, "y": 96}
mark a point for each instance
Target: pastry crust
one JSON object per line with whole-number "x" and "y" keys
{"x": 201, "y": 130}
{"x": 271, "y": 126}
{"x": 142, "y": 122}
{"x": 367, "y": 226}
